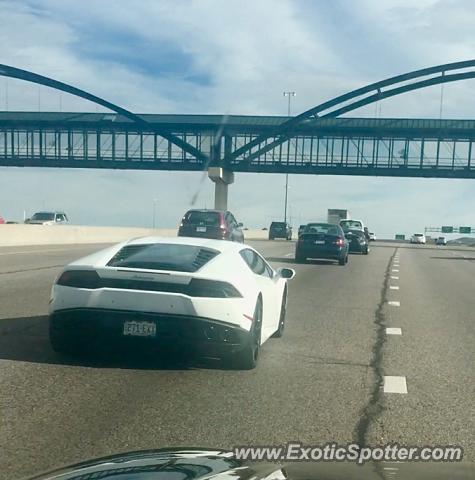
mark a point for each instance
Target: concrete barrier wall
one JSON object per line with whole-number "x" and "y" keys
{"x": 74, "y": 234}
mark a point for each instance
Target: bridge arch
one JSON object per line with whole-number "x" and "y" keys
{"x": 20, "y": 74}
{"x": 356, "y": 99}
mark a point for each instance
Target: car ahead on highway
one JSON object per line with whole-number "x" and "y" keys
{"x": 372, "y": 237}
{"x": 48, "y": 218}
{"x": 441, "y": 241}
{"x": 418, "y": 238}
{"x": 348, "y": 224}
{"x": 213, "y": 297}
{"x": 358, "y": 241}
{"x": 215, "y": 224}
{"x": 322, "y": 241}
{"x": 2, "y": 220}
{"x": 280, "y": 230}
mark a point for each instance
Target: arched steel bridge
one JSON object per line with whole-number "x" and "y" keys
{"x": 317, "y": 141}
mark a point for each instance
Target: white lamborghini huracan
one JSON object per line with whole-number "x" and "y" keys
{"x": 216, "y": 297}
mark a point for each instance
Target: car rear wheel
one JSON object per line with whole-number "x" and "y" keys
{"x": 271, "y": 238}
{"x": 283, "y": 310}
{"x": 366, "y": 251}
{"x": 343, "y": 260}
{"x": 247, "y": 358}
{"x": 299, "y": 258}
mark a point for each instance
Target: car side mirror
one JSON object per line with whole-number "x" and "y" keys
{"x": 240, "y": 224}
{"x": 287, "y": 273}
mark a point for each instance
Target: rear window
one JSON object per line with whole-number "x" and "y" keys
{"x": 163, "y": 256}
{"x": 351, "y": 224}
{"x": 357, "y": 233}
{"x": 43, "y": 216}
{"x": 277, "y": 224}
{"x": 203, "y": 218}
{"x": 322, "y": 228}
{"x": 419, "y": 235}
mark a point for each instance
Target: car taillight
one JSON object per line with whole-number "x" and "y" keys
{"x": 199, "y": 287}
{"x": 340, "y": 242}
{"x": 80, "y": 279}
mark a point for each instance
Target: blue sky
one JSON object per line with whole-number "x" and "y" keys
{"x": 236, "y": 57}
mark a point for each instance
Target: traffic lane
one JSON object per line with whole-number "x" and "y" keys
{"x": 23, "y": 258}
{"x": 310, "y": 385}
{"x": 18, "y": 259}
{"x": 435, "y": 352}
{"x": 427, "y": 246}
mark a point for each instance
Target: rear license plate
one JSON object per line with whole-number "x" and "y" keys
{"x": 319, "y": 242}
{"x": 140, "y": 329}
{"x": 201, "y": 229}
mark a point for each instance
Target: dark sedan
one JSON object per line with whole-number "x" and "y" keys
{"x": 358, "y": 241}
{"x": 322, "y": 241}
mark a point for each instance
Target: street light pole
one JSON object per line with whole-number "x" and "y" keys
{"x": 289, "y": 95}
{"x": 154, "y": 209}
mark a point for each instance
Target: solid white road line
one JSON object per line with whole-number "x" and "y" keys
{"x": 394, "y": 277}
{"x": 394, "y": 384}
{"x": 393, "y": 331}
{"x": 394, "y": 303}
{"x": 289, "y": 254}
{"x": 393, "y": 287}
{"x": 395, "y": 270}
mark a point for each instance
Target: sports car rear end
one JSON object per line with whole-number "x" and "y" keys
{"x": 156, "y": 294}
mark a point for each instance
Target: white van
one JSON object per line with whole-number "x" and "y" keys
{"x": 352, "y": 225}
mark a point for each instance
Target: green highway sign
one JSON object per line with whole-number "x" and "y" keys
{"x": 400, "y": 236}
{"x": 447, "y": 229}
{"x": 465, "y": 229}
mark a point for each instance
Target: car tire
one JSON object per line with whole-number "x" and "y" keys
{"x": 247, "y": 358}
{"x": 64, "y": 342}
{"x": 366, "y": 251}
{"x": 271, "y": 238}
{"x": 343, "y": 260}
{"x": 283, "y": 310}
{"x": 299, "y": 258}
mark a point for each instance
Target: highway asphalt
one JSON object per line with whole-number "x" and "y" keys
{"x": 325, "y": 380}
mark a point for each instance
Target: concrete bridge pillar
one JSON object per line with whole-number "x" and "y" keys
{"x": 221, "y": 178}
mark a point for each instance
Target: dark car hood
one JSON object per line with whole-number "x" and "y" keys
{"x": 188, "y": 464}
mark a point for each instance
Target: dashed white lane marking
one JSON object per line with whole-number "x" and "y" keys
{"x": 394, "y": 384}
{"x": 393, "y": 287}
{"x": 393, "y": 331}
{"x": 289, "y": 254}
{"x": 395, "y": 270}
{"x": 394, "y": 277}
{"x": 394, "y": 303}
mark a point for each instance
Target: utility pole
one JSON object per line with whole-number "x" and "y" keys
{"x": 289, "y": 95}
{"x": 155, "y": 201}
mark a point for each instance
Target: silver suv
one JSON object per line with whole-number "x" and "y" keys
{"x": 48, "y": 218}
